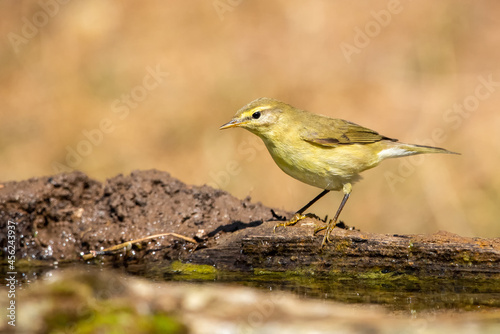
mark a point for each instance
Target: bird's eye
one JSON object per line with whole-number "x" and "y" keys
{"x": 256, "y": 114}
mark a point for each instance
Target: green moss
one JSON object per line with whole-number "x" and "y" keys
{"x": 303, "y": 271}
{"x": 107, "y": 317}
{"x": 193, "y": 271}
{"x": 22, "y": 264}
{"x": 87, "y": 303}
{"x": 465, "y": 258}
{"x": 342, "y": 246}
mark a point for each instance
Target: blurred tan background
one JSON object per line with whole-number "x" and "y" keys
{"x": 107, "y": 87}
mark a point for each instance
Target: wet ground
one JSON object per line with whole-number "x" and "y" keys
{"x": 59, "y": 217}
{"x": 221, "y": 239}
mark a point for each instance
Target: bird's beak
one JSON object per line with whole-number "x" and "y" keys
{"x": 232, "y": 124}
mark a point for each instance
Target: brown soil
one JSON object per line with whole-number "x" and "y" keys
{"x": 60, "y": 217}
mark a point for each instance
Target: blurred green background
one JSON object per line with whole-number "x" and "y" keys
{"x": 107, "y": 87}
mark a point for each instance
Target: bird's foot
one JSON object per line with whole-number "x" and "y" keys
{"x": 318, "y": 228}
{"x": 329, "y": 229}
{"x": 294, "y": 220}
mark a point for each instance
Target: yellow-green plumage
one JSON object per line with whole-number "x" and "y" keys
{"x": 324, "y": 152}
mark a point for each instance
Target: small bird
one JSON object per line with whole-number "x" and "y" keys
{"x": 323, "y": 152}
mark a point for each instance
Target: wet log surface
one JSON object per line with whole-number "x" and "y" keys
{"x": 439, "y": 254}
{"x": 59, "y": 217}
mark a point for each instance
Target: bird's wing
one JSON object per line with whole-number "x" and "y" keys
{"x": 333, "y": 132}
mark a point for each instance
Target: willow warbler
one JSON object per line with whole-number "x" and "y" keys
{"x": 323, "y": 152}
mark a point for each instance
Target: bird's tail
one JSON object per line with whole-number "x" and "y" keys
{"x": 397, "y": 149}
{"x": 419, "y": 149}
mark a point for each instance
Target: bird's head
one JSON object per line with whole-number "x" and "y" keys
{"x": 260, "y": 116}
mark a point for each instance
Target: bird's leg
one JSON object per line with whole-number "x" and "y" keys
{"x": 299, "y": 214}
{"x": 347, "y": 191}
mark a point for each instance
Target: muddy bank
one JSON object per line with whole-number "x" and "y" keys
{"x": 59, "y": 217}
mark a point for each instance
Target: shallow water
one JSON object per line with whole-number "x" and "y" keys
{"x": 396, "y": 292}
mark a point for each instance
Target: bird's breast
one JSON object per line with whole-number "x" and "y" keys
{"x": 325, "y": 168}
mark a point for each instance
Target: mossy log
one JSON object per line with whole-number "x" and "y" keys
{"x": 57, "y": 218}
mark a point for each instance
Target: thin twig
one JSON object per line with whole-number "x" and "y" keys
{"x": 127, "y": 245}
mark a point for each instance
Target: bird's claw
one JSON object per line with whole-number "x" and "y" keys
{"x": 318, "y": 228}
{"x": 297, "y": 217}
{"x": 329, "y": 228}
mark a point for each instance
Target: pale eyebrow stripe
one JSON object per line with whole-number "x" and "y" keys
{"x": 261, "y": 108}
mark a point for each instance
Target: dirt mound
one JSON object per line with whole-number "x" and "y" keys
{"x": 59, "y": 217}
